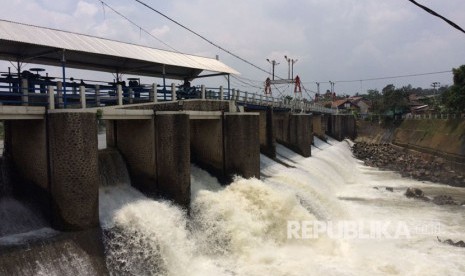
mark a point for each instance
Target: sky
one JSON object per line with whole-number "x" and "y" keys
{"x": 332, "y": 40}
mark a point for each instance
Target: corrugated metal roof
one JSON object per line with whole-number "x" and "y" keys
{"x": 45, "y": 46}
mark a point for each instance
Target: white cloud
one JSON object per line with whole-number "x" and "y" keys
{"x": 160, "y": 32}
{"x": 85, "y": 9}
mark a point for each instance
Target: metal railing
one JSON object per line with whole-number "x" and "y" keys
{"x": 56, "y": 94}
{"x": 295, "y": 104}
{"x": 438, "y": 116}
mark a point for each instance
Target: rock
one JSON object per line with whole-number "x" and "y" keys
{"x": 439, "y": 160}
{"x": 414, "y": 192}
{"x": 444, "y": 200}
{"x": 390, "y": 189}
{"x": 451, "y": 242}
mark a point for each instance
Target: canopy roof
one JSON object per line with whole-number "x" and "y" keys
{"x": 32, "y": 44}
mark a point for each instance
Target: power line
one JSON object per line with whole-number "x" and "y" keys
{"x": 135, "y": 24}
{"x": 430, "y": 11}
{"x": 145, "y": 31}
{"x": 395, "y": 77}
{"x": 385, "y": 78}
{"x": 202, "y": 37}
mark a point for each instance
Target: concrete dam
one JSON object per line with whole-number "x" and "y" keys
{"x": 158, "y": 142}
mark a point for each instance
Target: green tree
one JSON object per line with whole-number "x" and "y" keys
{"x": 395, "y": 101}
{"x": 454, "y": 98}
{"x": 375, "y": 99}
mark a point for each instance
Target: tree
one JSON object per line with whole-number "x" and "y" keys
{"x": 394, "y": 100}
{"x": 375, "y": 99}
{"x": 454, "y": 97}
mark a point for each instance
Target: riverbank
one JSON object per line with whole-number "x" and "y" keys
{"x": 408, "y": 163}
{"x": 426, "y": 150}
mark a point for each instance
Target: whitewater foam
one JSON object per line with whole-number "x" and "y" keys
{"x": 240, "y": 229}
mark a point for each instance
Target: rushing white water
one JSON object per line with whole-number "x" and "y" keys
{"x": 241, "y": 229}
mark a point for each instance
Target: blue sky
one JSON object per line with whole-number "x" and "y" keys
{"x": 332, "y": 39}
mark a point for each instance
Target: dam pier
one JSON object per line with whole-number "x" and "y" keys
{"x": 51, "y": 136}
{"x": 158, "y": 145}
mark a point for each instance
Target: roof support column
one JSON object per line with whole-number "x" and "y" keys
{"x": 63, "y": 66}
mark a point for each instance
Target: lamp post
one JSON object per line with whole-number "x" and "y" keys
{"x": 273, "y": 64}
{"x": 290, "y": 64}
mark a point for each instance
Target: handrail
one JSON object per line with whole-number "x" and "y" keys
{"x": 54, "y": 94}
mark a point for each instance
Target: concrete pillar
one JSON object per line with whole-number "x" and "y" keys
{"x": 266, "y": 133}
{"x": 317, "y": 125}
{"x": 173, "y": 157}
{"x": 82, "y": 95}
{"x": 241, "y": 144}
{"x": 24, "y": 92}
{"x": 73, "y": 167}
{"x": 51, "y": 97}
{"x": 97, "y": 95}
{"x": 135, "y": 139}
{"x": 110, "y": 129}
{"x": 131, "y": 95}
{"x": 300, "y": 134}
{"x": 173, "y": 92}
{"x": 281, "y": 126}
{"x": 336, "y": 127}
{"x": 202, "y": 88}
{"x": 153, "y": 94}
{"x": 351, "y": 127}
{"x": 233, "y": 95}
{"x": 206, "y": 144}
{"x": 60, "y": 94}
{"x": 119, "y": 91}
{"x": 26, "y": 143}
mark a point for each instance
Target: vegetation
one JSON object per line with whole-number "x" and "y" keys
{"x": 453, "y": 99}
{"x": 392, "y": 101}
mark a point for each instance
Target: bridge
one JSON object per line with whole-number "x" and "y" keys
{"x": 51, "y": 134}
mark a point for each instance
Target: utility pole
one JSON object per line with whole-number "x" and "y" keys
{"x": 292, "y": 67}
{"x": 273, "y": 64}
{"x": 289, "y": 62}
{"x": 332, "y": 86}
{"x": 435, "y": 84}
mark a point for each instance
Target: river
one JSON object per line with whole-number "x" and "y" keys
{"x": 259, "y": 227}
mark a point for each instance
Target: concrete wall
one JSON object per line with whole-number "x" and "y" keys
{"x": 266, "y": 133}
{"x": 373, "y": 132}
{"x": 281, "y": 126}
{"x": 430, "y": 138}
{"x": 300, "y": 134}
{"x": 242, "y": 144}
{"x": 26, "y": 143}
{"x": 66, "y": 253}
{"x": 74, "y": 178}
{"x": 206, "y": 144}
{"x": 440, "y": 137}
{"x": 173, "y": 157}
{"x": 135, "y": 139}
{"x": 294, "y": 131}
{"x": 317, "y": 125}
{"x": 342, "y": 126}
{"x": 194, "y": 104}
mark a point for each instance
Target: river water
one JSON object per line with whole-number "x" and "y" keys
{"x": 261, "y": 227}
